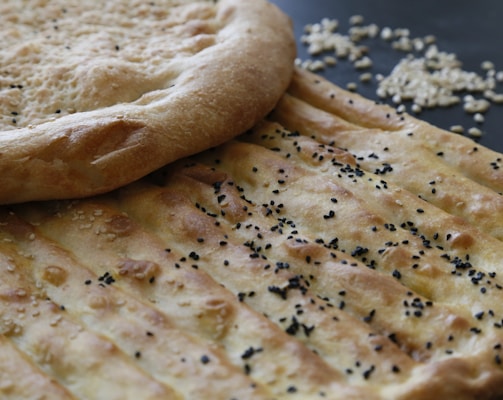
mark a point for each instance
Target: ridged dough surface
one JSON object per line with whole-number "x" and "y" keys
{"x": 304, "y": 259}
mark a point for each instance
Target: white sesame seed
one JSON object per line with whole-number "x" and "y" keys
{"x": 356, "y": 20}
{"x": 316, "y": 65}
{"x": 397, "y": 99}
{"x": 373, "y": 30}
{"x": 55, "y": 320}
{"x": 457, "y": 129}
{"x": 487, "y": 65}
{"x": 418, "y": 44}
{"x": 330, "y": 60}
{"x": 476, "y": 106}
{"x": 475, "y": 132}
{"x": 429, "y": 39}
{"x": 381, "y": 92}
{"x": 363, "y": 63}
{"x": 479, "y": 118}
{"x": 494, "y": 97}
{"x": 416, "y": 108}
{"x": 387, "y": 33}
{"x": 352, "y": 86}
{"x": 366, "y": 77}
{"x": 403, "y": 44}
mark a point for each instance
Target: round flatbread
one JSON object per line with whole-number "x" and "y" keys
{"x": 94, "y": 95}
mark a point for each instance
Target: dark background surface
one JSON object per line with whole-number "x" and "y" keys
{"x": 473, "y": 30}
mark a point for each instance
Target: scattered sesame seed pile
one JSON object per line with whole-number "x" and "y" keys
{"x": 425, "y": 77}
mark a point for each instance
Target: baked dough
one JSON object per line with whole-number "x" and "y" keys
{"x": 277, "y": 265}
{"x": 93, "y": 95}
{"x": 466, "y": 179}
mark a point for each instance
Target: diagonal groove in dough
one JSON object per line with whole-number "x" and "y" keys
{"x": 211, "y": 196}
{"x": 401, "y": 233}
{"x": 272, "y": 265}
{"x": 31, "y": 316}
{"x": 242, "y": 268}
{"x": 213, "y": 313}
{"x": 463, "y": 182}
{"x": 101, "y": 307}
{"x": 376, "y": 248}
{"x": 19, "y": 371}
{"x": 476, "y": 162}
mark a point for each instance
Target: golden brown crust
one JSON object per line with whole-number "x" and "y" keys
{"x": 130, "y": 285}
{"x": 356, "y": 112}
{"x": 466, "y": 180}
{"x": 272, "y": 266}
{"x": 197, "y": 100}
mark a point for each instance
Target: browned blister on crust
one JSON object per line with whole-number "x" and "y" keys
{"x": 94, "y": 97}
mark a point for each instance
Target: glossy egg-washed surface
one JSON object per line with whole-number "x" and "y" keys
{"x": 338, "y": 250}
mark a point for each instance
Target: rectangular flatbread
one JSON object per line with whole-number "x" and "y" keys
{"x": 337, "y": 250}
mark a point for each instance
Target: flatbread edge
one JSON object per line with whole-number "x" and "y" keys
{"x": 94, "y": 152}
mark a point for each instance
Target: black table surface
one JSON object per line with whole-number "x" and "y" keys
{"x": 472, "y": 30}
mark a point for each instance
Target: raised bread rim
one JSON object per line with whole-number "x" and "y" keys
{"x": 94, "y": 152}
